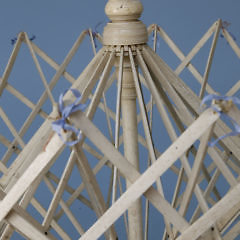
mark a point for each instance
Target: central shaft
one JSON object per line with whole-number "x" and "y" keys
{"x": 130, "y": 139}
{"x": 126, "y": 30}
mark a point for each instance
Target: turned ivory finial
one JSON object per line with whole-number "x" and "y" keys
{"x": 120, "y": 10}
{"x": 124, "y": 28}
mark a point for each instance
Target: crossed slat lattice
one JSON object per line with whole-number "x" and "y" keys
{"x": 197, "y": 209}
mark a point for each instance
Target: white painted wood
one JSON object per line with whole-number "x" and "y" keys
{"x": 181, "y": 56}
{"x": 26, "y": 228}
{"x": 234, "y": 89}
{"x": 126, "y": 169}
{"x": 42, "y": 161}
{"x": 49, "y": 93}
{"x": 174, "y": 101}
{"x": 117, "y": 121}
{"x": 210, "y": 58}
{"x": 54, "y": 224}
{"x": 209, "y": 218}
{"x": 51, "y": 62}
{"x": 231, "y": 42}
{"x": 92, "y": 41}
{"x": 95, "y": 74}
{"x": 44, "y": 132}
{"x": 11, "y": 62}
{"x": 147, "y": 129}
{"x": 70, "y": 190}
{"x": 75, "y": 194}
{"x": 192, "y": 180}
{"x": 69, "y": 214}
{"x": 10, "y": 126}
{"x": 24, "y": 100}
{"x": 59, "y": 191}
{"x": 92, "y": 186}
{"x": 185, "y": 92}
{"x": 193, "y": 52}
{"x": 233, "y": 233}
{"x": 131, "y": 150}
{"x": 24, "y": 223}
{"x": 149, "y": 176}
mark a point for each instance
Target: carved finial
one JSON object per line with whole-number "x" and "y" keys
{"x": 120, "y": 10}
{"x": 124, "y": 28}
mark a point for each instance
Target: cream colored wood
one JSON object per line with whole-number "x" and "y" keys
{"x": 192, "y": 180}
{"x": 59, "y": 191}
{"x": 234, "y": 89}
{"x": 220, "y": 128}
{"x": 63, "y": 205}
{"x": 43, "y": 132}
{"x": 95, "y": 74}
{"x": 147, "y": 129}
{"x": 11, "y": 62}
{"x": 208, "y": 190}
{"x": 231, "y": 42}
{"x": 131, "y": 150}
{"x": 92, "y": 41}
{"x": 231, "y": 179}
{"x": 25, "y": 227}
{"x": 51, "y": 62}
{"x": 23, "y": 203}
{"x": 10, "y": 126}
{"x": 70, "y": 190}
{"x": 23, "y": 222}
{"x": 209, "y": 218}
{"x": 49, "y": 93}
{"x": 32, "y": 149}
{"x": 75, "y": 194}
{"x": 193, "y": 52}
{"x": 179, "y": 109}
{"x": 173, "y": 136}
{"x": 7, "y": 143}
{"x": 149, "y": 176}
{"x": 92, "y": 187}
{"x": 24, "y": 100}
{"x": 54, "y": 224}
{"x": 233, "y": 233}
{"x": 210, "y": 59}
{"x": 188, "y": 171}
{"x": 117, "y": 121}
{"x": 123, "y": 9}
{"x": 69, "y": 57}
{"x": 42, "y": 161}
{"x": 166, "y": 85}
{"x": 125, "y": 168}
{"x": 181, "y": 56}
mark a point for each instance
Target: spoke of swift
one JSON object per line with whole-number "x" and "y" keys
{"x": 181, "y": 56}
{"x": 144, "y": 181}
{"x": 49, "y": 93}
{"x": 59, "y": 191}
{"x": 147, "y": 129}
{"x": 195, "y": 50}
{"x": 11, "y": 62}
{"x": 67, "y": 211}
{"x": 43, "y": 98}
{"x": 210, "y": 58}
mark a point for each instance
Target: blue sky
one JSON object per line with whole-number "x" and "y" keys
{"x": 57, "y": 24}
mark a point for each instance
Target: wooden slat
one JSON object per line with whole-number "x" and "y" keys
{"x": 152, "y": 173}
{"x": 195, "y": 50}
{"x": 231, "y": 42}
{"x": 11, "y": 62}
{"x": 215, "y": 213}
{"x": 210, "y": 58}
